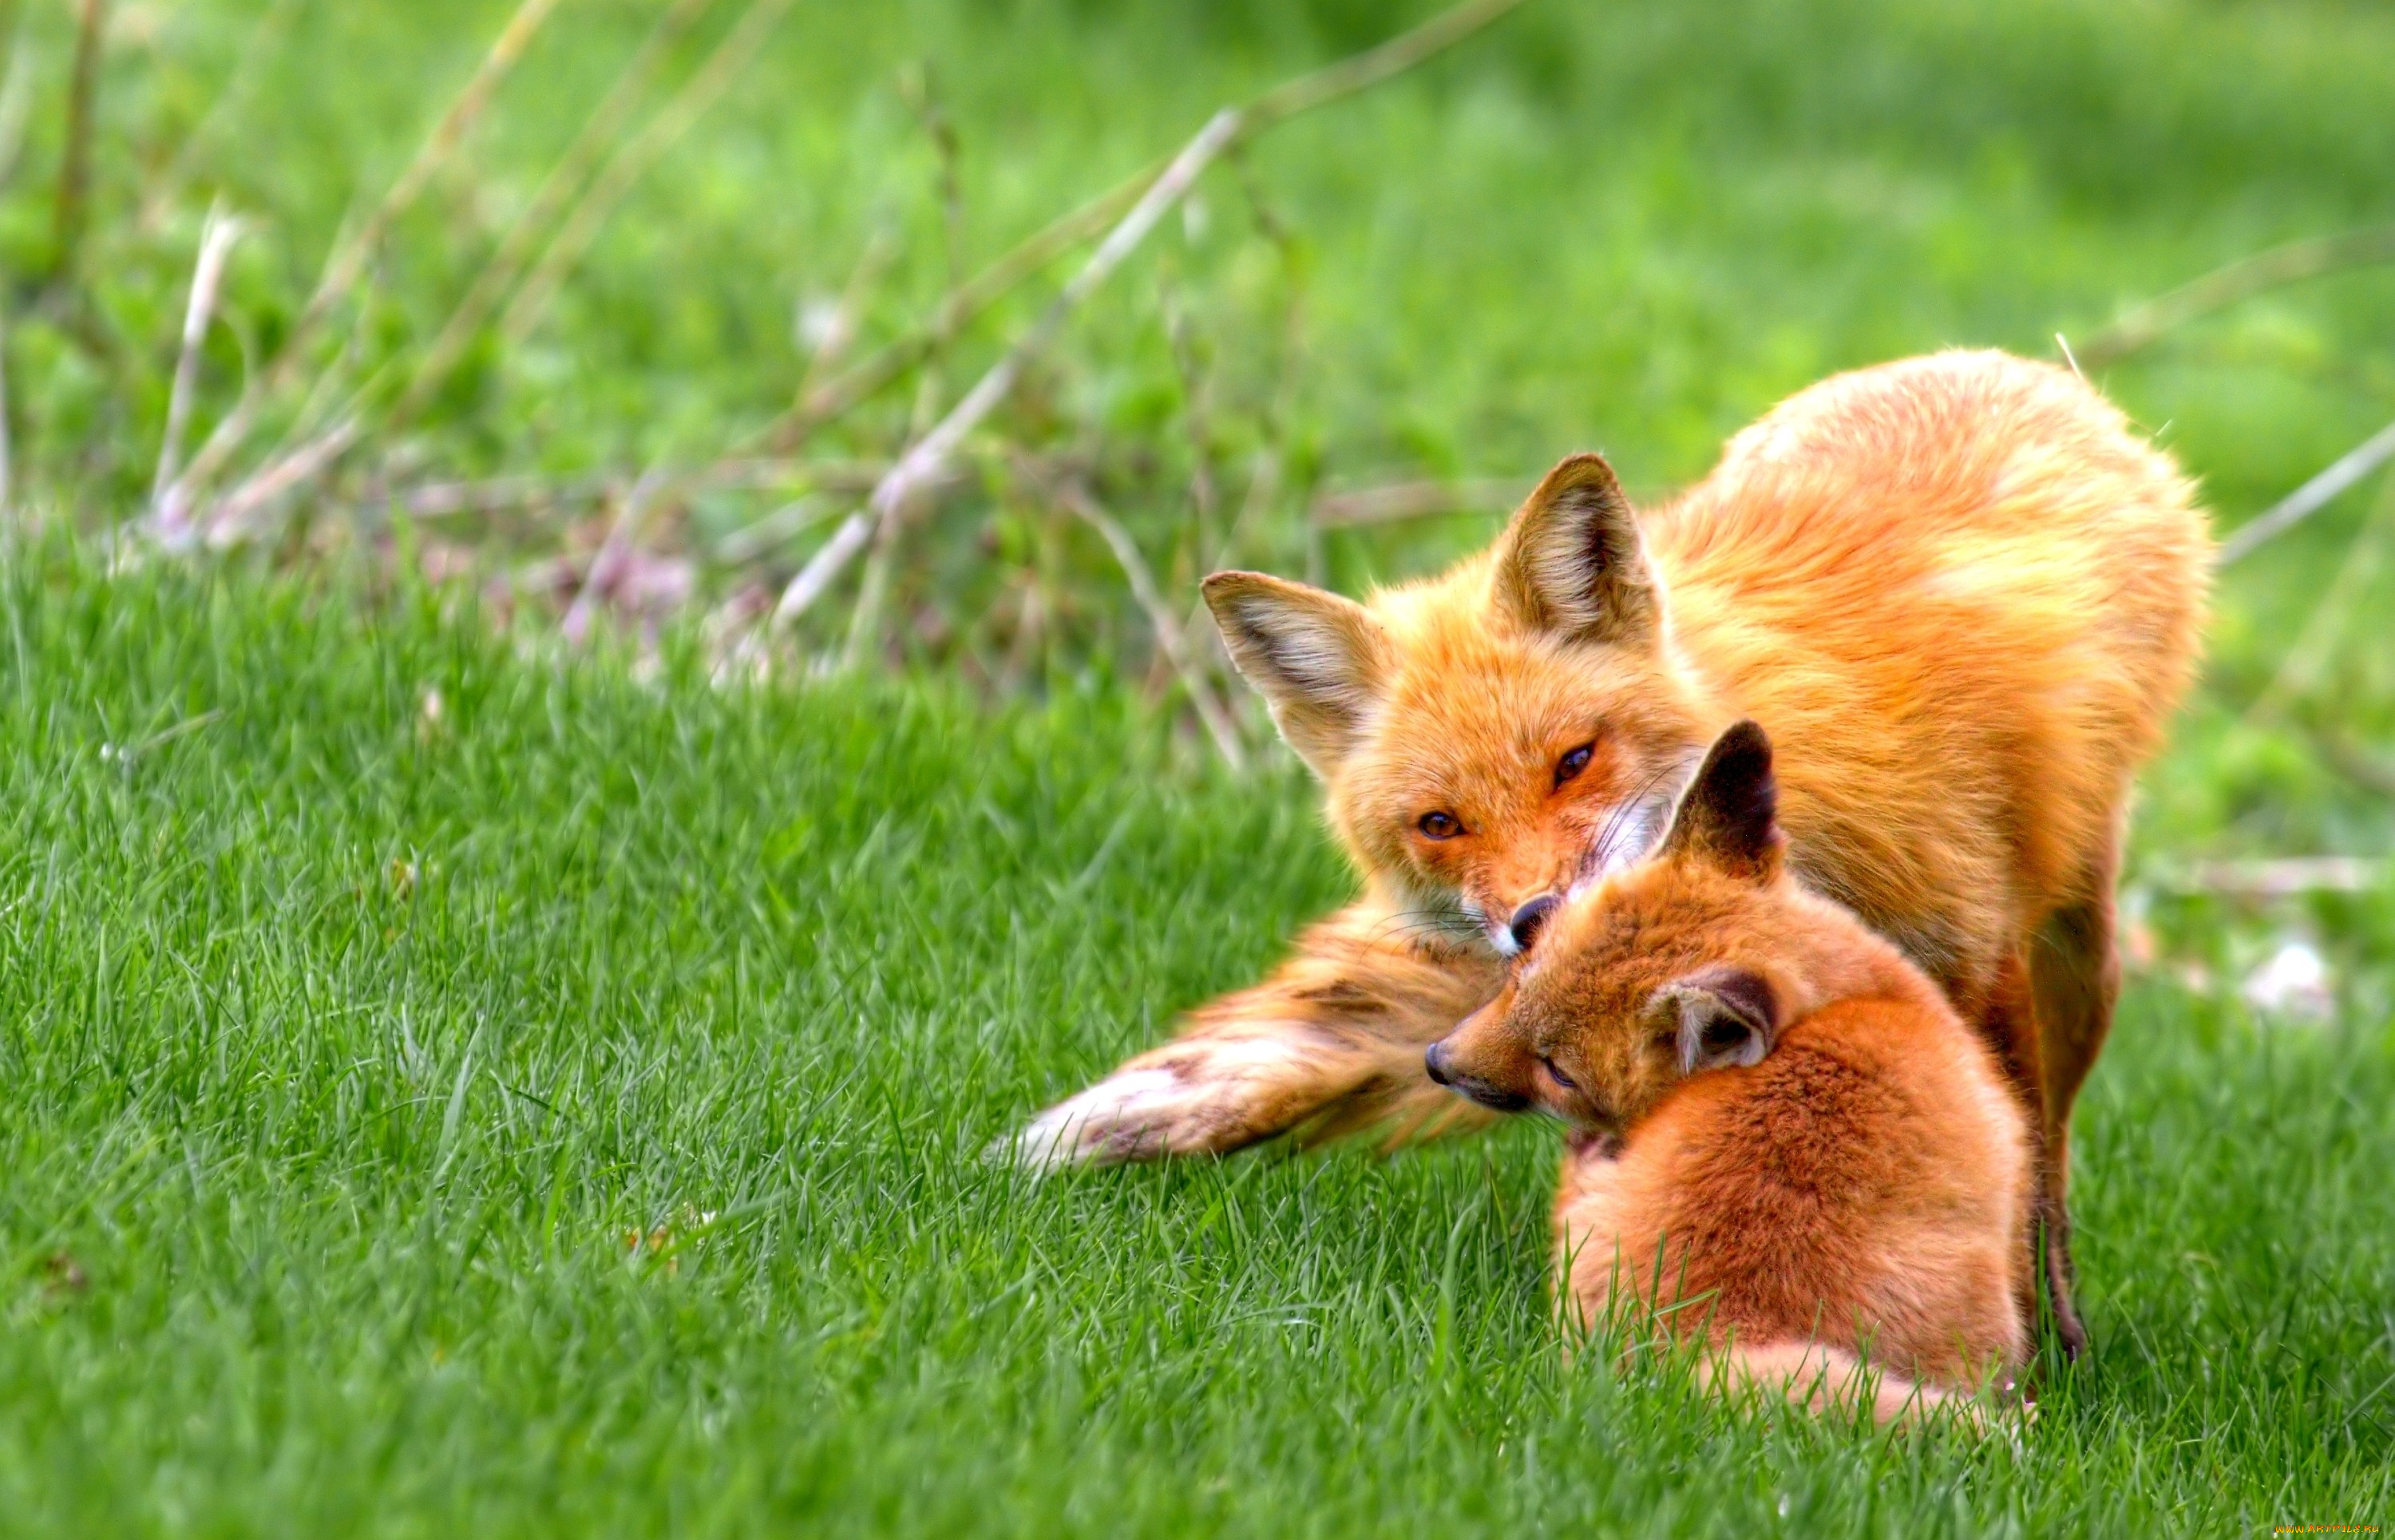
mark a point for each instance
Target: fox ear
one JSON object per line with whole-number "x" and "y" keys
{"x": 1317, "y": 658}
{"x": 1730, "y": 813}
{"x": 1571, "y": 562}
{"x": 1726, "y": 1016}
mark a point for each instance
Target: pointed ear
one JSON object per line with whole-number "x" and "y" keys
{"x": 1728, "y": 1016}
{"x": 1730, "y": 813}
{"x": 1318, "y": 661}
{"x": 1571, "y": 564}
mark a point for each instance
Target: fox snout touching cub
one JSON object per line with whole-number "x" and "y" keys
{"x": 1787, "y": 1142}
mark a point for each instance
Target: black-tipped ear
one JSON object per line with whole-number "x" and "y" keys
{"x": 1728, "y": 1016}
{"x": 1317, "y": 660}
{"x": 1729, "y": 814}
{"x": 1571, "y": 562}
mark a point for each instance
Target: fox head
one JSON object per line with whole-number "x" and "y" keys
{"x": 1488, "y": 737}
{"x": 1689, "y": 962}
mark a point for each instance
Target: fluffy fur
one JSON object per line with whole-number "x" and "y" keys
{"x": 1961, "y": 593}
{"x": 1787, "y": 1142}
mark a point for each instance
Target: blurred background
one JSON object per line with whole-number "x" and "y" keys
{"x": 615, "y": 318}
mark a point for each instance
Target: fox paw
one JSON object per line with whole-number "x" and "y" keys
{"x": 1200, "y": 1100}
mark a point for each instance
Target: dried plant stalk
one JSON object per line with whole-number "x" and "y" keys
{"x": 2310, "y": 497}
{"x": 631, "y": 162}
{"x": 2240, "y": 280}
{"x": 570, "y": 173}
{"x": 71, "y": 209}
{"x": 217, "y": 238}
{"x": 349, "y": 258}
{"x": 1168, "y": 636}
{"x": 958, "y": 309}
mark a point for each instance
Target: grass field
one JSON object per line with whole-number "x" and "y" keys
{"x": 348, "y": 1041}
{"x": 456, "y": 1081}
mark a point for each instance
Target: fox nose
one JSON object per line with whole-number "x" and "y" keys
{"x": 1530, "y": 917}
{"x": 1434, "y": 1063}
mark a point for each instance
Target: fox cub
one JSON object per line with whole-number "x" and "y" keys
{"x": 1782, "y": 1126}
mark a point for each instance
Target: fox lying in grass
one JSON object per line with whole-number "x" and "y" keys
{"x": 1961, "y": 593}
{"x": 1785, "y": 1140}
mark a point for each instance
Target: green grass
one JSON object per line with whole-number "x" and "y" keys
{"x": 344, "y": 1046}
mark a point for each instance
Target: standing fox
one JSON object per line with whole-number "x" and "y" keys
{"x": 1788, "y": 1144}
{"x": 1959, "y": 591}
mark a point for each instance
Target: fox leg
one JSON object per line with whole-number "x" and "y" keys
{"x": 2077, "y": 973}
{"x": 1820, "y": 1378}
{"x": 1329, "y": 1043}
{"x": 2010, "y": 1019}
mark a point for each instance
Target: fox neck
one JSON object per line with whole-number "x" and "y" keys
{"x": 1839, "y": 959}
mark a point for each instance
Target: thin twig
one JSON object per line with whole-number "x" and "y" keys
{"x": 265, "y": 34}
{"x": 930, "y": 455}
{"x": 16, "y": 98}
{"x": 840, "y": 328}
{"x": 633, "y": 160}
{"x": 1419, "y": 499}
{"x": 1168, "y": 637}
{"x": 442, "y": 500}
{"x": 2310, "y": 497}
{"x": 820, "y": 403}
{"x": 603, "y": 566}
{"x": 217, "y": 238}
{"x": 7, "y": 459}
{"x": 568, "y": 176}
{"x": 958, "y": 308}
{"x": 2240, "y": 280}
{"x": 71, "y": 212}
{"x": 349, "y": 258}
{"x": 233, "y": 519}
{"x": 2277, "y": 877}
{"x": 2300, "y": 670}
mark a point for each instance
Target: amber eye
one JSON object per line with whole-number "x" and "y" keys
{"x": 1574, "y": 763}
{"x": 1561, "y": 1079}
{"x": 1440, "y": 826}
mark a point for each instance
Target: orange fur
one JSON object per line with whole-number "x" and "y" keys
{"x": 1791, "y": 1146}
{"x": 1962, "y": 595}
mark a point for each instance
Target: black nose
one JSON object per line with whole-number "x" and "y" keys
{"x": 1434, "y": 1063}
{"x": 1530, "y": 917}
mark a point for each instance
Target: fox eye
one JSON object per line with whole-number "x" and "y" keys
{"x": 1440, "y": 826}
{"x": 1574, "y": 763}
{"x": 1561, "y": 1079}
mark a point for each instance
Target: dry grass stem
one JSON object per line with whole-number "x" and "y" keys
{"x": 631, "y": 162}
{"x": 929, "y": 457}
{"x": 2310, "y": 497}
{"x": 237, "y": 517}
{"x": 846, "y": 321}
{"x": 347, "y": 260}
{"x": 836, "y": 395}
{"x": 16, "y": 101}
{"x": 2240, "y": 280}
{"x": 6, "y": 463}
{"x": 572, "y": 171}
{"x": 2278, "y": 877}
{"x": 265, "y": 36}
{"x": 498, "y": 494}
{"x": 217, "y": 238}
{"x": 71, "y": 211}
{"x": 605, "y": 566}
{"x": 1419, "y": 499}
{"x": 1168, "y": 636}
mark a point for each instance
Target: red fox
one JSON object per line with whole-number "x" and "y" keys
{"x": 1961, "y": 593}
{"x": 1786, "y": 1144}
